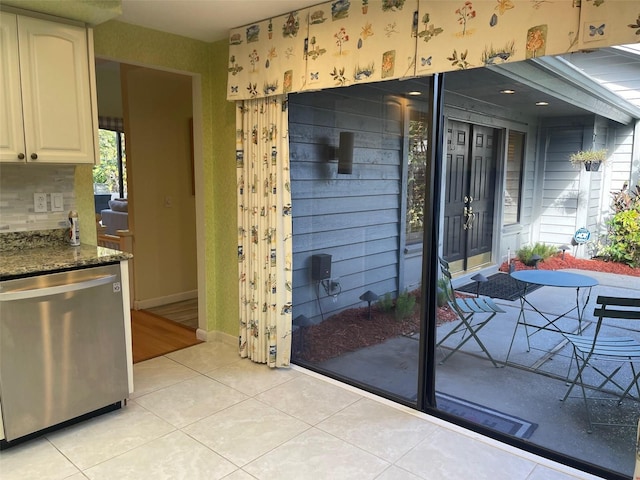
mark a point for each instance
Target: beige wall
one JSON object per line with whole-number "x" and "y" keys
{"x": 109, "y": 90}
{"x": 215, "y": 154}
{"x": 158, "y": 109}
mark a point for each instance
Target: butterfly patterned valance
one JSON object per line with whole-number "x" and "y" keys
{"x": 345, "y": 42}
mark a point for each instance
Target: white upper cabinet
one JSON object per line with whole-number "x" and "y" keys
{"x": 11, "y": 124}
{"x": 45, "y": 86}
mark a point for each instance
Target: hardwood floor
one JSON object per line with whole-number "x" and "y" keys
{"x": 153, "y": 335}
{"x": 185, "y": 312}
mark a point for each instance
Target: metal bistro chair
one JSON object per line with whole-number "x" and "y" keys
{"x": 467, "y": 308}
{"x": 597, "y": 351}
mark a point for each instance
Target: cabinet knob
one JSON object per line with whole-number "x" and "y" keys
{"x": 34, "y": 156}
{"x": 21, "y": 156}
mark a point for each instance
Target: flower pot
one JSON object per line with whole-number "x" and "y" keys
{"x": 592, "y": 166}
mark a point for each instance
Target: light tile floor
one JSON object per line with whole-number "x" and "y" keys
{"x": 204, "y": 413}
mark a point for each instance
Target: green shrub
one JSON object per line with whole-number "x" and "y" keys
{"x": 541, "y": 249}
{"x": 405, "y": 305}
{"x": 626, "y": 199}
{"x": 442, "y": 296}
{"x": 386, "y": 303}
{"x": 622, "y": 242}
{"x": 623, "y": 238}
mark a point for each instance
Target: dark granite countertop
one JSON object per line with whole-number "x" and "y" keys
{"x": 57, "y": 257}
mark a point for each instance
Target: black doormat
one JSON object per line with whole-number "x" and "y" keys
{"x": 498, "y": 285}
{"x": 487, "y": 417}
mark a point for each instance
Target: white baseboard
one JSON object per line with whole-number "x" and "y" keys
{"x": 201, "y": 334}
{"x": 159, "y": 301}
{"x": 214, "y": 336}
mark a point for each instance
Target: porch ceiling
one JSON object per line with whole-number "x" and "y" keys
{"x": 485, "y": 84}
{"x": 567, "y": 90}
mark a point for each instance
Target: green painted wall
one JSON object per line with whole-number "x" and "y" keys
{"x": 137, "y": 45}
{"x": 83, "y": 190}
{"x": 222, "y": 199}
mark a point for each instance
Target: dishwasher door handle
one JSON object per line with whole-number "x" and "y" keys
{"x": 57, "y": 290}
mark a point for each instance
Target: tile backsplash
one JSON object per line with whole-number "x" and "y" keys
{"x": 18, "y": 183}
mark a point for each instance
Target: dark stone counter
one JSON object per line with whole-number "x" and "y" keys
{"x": 27, "y": 259}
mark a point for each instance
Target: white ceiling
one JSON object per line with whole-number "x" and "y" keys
{"x": 206, "y": 20}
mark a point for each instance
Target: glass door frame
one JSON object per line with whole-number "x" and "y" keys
{"x": 426, "y": 398}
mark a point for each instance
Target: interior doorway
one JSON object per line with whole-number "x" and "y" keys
{"x": 471, "y": 157}
{"x": 157, "y": 110}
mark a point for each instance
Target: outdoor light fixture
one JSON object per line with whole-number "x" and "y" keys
{"x": 345, "y": 152}
{"x": 535, "y": 259}
{"x": 369, "y": 297}
{"x": 508, "y": 91}
{"x": 479, "y": 278}
{"x": 542, "y": 104}
{"x": 564, "y": 248}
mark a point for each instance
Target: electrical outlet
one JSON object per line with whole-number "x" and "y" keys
{"x": 39, "y": 202}
{"x": 57, "y": 202}
{"x": 332, "y": 286}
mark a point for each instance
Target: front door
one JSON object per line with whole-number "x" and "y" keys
{"x": 469, "y": 196}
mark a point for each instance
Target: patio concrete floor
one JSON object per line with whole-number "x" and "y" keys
{"x": 516, "y": 389}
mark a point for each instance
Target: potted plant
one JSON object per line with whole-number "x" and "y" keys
{"x": 591, "y": 159}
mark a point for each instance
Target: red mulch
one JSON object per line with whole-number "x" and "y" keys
{"x": 352, "y": 330}
{"x": 595, "y": 265}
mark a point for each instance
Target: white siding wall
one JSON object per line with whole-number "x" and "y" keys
{"x": 560, "y": 193}
{"x": 572, "y": 198}
{"x": 621, "y": 162}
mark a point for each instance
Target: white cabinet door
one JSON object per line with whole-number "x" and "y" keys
{"x": 56, "y": 122}
{"x": 56, "y": 99}
{"x": 12, "y": 147}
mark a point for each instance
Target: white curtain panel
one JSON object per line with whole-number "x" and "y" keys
{"x": 264, "y": 230}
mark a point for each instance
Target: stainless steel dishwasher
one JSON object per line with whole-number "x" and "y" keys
{"x": 62, "y": 348}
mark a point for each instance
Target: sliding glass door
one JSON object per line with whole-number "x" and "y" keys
{"x": 393, "y": 262}
{"x": 358, "y": 303}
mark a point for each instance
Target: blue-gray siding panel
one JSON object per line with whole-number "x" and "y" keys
{"x": 380, "y": 280}
{"x": 342, "y": 221}
{"x": 354, "y": 218}
{"x": 311, "y": 206}
{"x": 311, "y": 242}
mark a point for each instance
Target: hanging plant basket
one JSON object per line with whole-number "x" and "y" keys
{"x": 591, "y": 159}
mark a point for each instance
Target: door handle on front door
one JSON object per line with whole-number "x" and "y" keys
{"x": 469, "y": 216}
